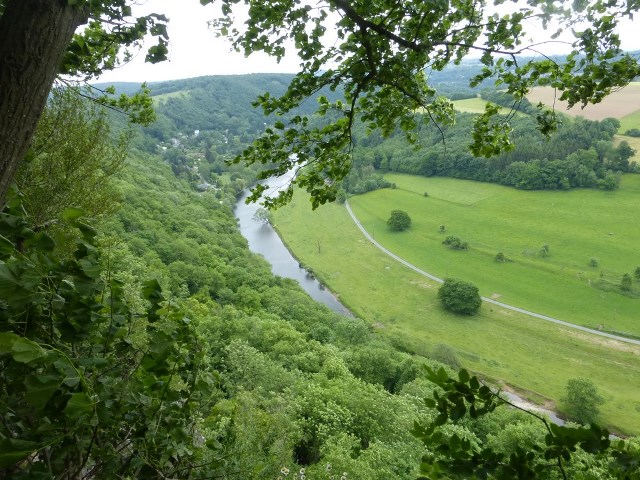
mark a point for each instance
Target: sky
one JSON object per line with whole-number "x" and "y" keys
{"x": 195, "y": 51}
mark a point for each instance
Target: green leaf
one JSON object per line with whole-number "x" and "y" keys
{"x": 71, "y": 214}
{"x": 6, "y": 247}
{"x": 79, "y": 405}
{"x": 40, "y": 389}
{"x": 11, "y": 284}
{"x": 7, "y": 339}
{"x": 13, "y": 450}
{"x": 24, "y": 350}
{"x": 41, "y": 241}
{"x": 88, "y": 232}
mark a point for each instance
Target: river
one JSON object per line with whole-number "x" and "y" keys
{"x": 264, "y": 240}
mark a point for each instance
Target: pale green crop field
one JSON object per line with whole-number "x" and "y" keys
{"x": 630, "y": 121}
{"x": 577, "y": 226}
{"x": 471, "y": 105}
{"x": 528, "y": 354}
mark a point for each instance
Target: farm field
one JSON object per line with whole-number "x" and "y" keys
{"x": 617, "y": 105}
{"x": 470, "y": 105}
{"x": 631, "y": 120}
{"x": 534, "y": 357}
{"x": 577, "y": 226}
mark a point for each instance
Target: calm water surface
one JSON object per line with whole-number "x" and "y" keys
{"x": 264, "y": 240}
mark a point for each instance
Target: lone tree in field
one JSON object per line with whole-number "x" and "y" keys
{"x": 625, "y": 283}
{"x": 459, "y": 296}
{"x": 399, "y": 221}
{"x": 582, "y": 400}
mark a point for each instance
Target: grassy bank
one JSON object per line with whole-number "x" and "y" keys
{"x": 528, "y": 354}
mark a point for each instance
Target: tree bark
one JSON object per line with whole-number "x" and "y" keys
{"x": 34, "y": 35}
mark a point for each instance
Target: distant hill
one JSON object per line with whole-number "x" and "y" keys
{"x": 219, "y": 102}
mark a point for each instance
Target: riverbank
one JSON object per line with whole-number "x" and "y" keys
{"x": 264, "y": 240}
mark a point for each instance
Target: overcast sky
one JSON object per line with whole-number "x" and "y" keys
{"x": 193, "y": 48}
{"x": 194, "y": 51}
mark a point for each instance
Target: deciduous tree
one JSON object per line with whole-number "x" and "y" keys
{"x": 582, "y": 400}
{"x": 399, "y": 220}
{"x": 38, "y": 41}
{"x": 459, "y": 296}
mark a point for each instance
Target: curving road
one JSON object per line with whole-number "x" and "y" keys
{"x": 485, "y": 299}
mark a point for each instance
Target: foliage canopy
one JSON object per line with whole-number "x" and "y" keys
{"x": 459, "y": 296}
{"x": 399, "y": 220}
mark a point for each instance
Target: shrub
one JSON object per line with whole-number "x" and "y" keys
{"x": 459, "y": 296}
{"x": 399, "y": 221}
{"x": 455, "y": 242}
{"x": 500, "y": 257}
{"x": 593, "y": 262}
{"x": 451, "y": 241}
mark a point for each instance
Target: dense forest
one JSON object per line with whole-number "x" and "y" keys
{"x": 198, "y": 362}
{"x": 580, "y": 154}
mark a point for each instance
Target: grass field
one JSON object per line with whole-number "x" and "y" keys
{"x": 470, "y": 105}
{"x": 632, "y": 120}
{"x": 617, "y": 105}
{"x": 163, "y": 97}
{"x": 577, "y": 226}
{"x": 529, "y": 355}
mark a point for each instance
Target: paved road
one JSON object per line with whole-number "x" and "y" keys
{"x": 485, "y": 299}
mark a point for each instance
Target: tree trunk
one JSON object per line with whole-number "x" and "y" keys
{"x": 34, "y": 35}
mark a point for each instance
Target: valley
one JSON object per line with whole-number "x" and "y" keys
{"x": 528, "y": 354}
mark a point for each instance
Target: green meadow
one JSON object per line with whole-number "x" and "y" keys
{"x": 163, "y": 97}
{"x": 629, "y": 121}
{"x": 529, "y": 355}
{"x": 470, "y": 105}
{"x": 577, "y": 226}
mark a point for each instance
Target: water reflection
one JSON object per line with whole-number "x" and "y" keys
{"x": 264, "y": 240}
